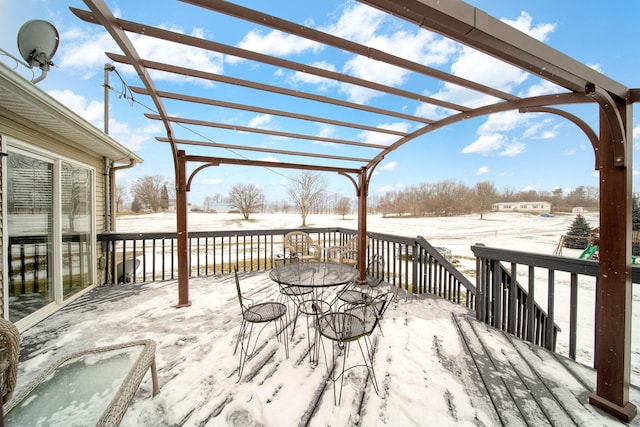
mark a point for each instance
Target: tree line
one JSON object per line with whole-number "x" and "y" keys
{"x": 307, "y": 194}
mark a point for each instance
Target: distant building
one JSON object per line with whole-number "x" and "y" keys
{"x": 578, "y": 210}
{"x": 536, "y": 207}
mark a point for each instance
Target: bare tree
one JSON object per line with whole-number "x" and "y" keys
{"x": 120, "y": 197}
{"x": 148, "y": 191}
{"x": 486, "y": 195}
{"x": 306, "y": 191}
{"x": 246, "y": 198}
{"x": 343, "y": 206}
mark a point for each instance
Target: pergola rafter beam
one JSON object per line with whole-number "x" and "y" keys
{"x": 192, "y": 41}
{"x": 271, "y": 111}
{"x": 264, "y": 87}
{"x": 267, "y": 131}
{"x": 264, "y": 164}
{"x": 340, "y": 43}
{"x": 263, "y": 150}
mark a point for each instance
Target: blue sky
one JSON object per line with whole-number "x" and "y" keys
{"x": 512, "y": 150}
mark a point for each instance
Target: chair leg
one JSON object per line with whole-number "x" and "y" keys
{"x": 368, "y": 362}
{"x": 282, "y": 334}
{"x": 244, "y": 354}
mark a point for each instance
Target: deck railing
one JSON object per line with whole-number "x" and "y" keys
{"x": 509, "y": 282}
{"x": 410, "y": 263}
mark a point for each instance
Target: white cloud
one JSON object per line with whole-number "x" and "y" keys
{"x": 384, "y": 138}
{"x": 260, "y": 121}
{"x": 482, "y": 170}
{"x": 531, "y": 187}
{"x": 134, "y": 138}
{"x": 326, "y": 130}
{"x": 513, "y": 149}
{"x": 363, "y": 25}
{"x": 211, "y": 181}
{"x": 391, "y": 166}
{"x": 387, "y": 188}
{"x": 275, "y": 43}
{"x": 92, "y": 111}
{"x": 322, "y": 84}
{"x": 548, "y": 134}
{"x": 485, "y": 144}
{"x": 84, "y": 53}
{"x": 357, "y": 22}
{"x": 476, "y": 66}
{"x": 270, "y": 159}
{"x": 524, "y": 23}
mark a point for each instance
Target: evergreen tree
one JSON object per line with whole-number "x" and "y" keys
{"x": 136, "y": 206}
{"x": 164, "y": 199}
{"x": 578, "y": 234}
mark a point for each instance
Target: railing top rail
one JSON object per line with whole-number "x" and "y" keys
{"x": 444, "y": 261}
{"x": 551, "y": 262}
{"x": 217, "y": 233}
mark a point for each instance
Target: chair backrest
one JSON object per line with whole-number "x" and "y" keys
{"x": 10, "y": 343}
{"x": 372, "y": 311}
{"x": 375, "y": 271}
{"x": 298, "y": 242}
{"x": 241, "y": 299}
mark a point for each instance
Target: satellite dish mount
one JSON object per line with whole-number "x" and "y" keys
{"x": 37, "y": 42}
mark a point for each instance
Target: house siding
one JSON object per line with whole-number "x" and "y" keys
{"x": 536, "y": 207}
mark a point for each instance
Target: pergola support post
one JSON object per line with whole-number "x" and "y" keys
{"x": 183, "y": 239}
{"x": 363, "y": 190}
{"x": 613, "y": 290}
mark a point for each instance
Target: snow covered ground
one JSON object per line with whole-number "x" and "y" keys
{"x": 506, "y": 230}
{"x": 195, "y": 344}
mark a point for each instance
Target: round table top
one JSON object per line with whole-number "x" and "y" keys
{"x": 314, "y": 274}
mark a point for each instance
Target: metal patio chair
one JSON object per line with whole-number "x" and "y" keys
{"x": 355, "y": 294}
{"x": 302, "y": 246}
{"x": 356, "y": 323}
{"x": 291, "y": 294}
{"x": 253, "y": 314}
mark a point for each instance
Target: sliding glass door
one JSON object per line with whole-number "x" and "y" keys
{"x": 49, "y": 210}
{"x": 30, "y": 233}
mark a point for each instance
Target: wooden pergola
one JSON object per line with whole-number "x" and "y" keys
{"x": 457, "y": 21}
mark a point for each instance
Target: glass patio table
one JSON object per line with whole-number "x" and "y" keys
{"x": 92, "y": 387}
{"x": 319, "y": 276}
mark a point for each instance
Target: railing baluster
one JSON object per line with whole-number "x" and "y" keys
{"x": 573, "y": 316}
{"x": 513, "y": 294}
{"x": 549, "y": 338}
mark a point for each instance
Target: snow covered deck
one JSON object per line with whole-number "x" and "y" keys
{"x": 435, "y": 364}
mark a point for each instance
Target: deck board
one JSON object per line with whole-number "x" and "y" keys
{"x": 431, "y": 351}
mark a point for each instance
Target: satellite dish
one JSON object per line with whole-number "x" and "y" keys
{"x": 37, "y": 43}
